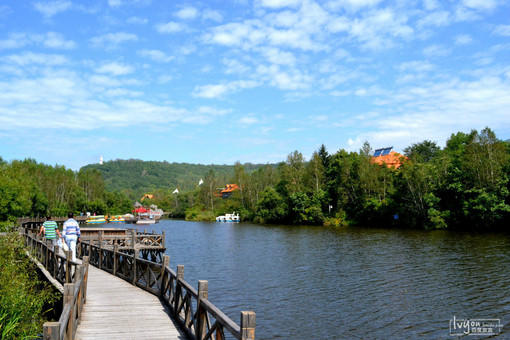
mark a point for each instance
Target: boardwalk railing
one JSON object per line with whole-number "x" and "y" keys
{"x": 200, "y": 319}
{"x": 74, "y": 278}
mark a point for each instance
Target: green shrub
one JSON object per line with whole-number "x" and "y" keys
{"x": 23, "y": 296}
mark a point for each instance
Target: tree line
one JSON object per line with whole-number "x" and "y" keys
{"x": 28, "y": 188}
{"x": 135, "y": 177}
{"x": 464, "y": 185}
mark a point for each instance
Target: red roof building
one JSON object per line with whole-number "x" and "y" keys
{"x": 228, "y": 190}
{"x": 388, "y": 157}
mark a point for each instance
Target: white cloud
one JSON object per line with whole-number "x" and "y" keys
{"x": 121, "y": 92}
{"x": 156, "y": 55}
{"x": 439, "y": 18}
{"x": 66, "y": 100}
{"x": 137, "y": 20}
{"x": 114, "y": 3}
{"x": 277, "y": 56}
{"x": 436, "y": 51}
{"x": 112, "y": 40}
{"x": 187, "y": 13}
{"x": 480, "y": 4}
{"x": 15, "y": 40}
{"x": 319, "y": 118}
{"x": 49, "y": 40}
{"x": 430, "y": 4}
{"x": 29, "y": 58}
{"x": 377, "y": 29}
{"x": 503, "y": 30}
{"x": 56, "y": 40}
{"x": 233, "y": 66}
{"x": 115, "y": 69}
{"x": 170, "y": 27}
{"x": 279, "y": 3}
{"x": 433, "y": 110}
{"x": 284, "y": 80}
{"x": 51, "y": 8}
{"x": 416, "y": 66}
{"x": 220, "y": 90}
{"x": 463, "y": 39}
{"x": 248, "y": 120}
{"x": 213, "y": 15}
{"x": 164, "y": 78}
{"x": 352, "y": 5}
{"x": 212, "y": 111}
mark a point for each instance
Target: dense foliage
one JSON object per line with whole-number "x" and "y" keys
{"x": 462, "y": 186}
{"x": 28, "y": 188}
{"x": 135, "y": 177}
{"x": 23, "y": 297}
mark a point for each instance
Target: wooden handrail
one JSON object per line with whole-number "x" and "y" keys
{"x": 75, "y": 286}
{"x": 176, "y": 293}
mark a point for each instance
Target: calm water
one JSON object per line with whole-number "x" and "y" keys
{"x": 316, "y": 283}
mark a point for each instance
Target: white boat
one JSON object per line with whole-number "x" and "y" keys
{"x": 145, "y": 218}
{"x": 228, "y": 218}
{"x": 144, "y": 221}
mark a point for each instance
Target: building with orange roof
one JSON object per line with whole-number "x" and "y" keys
{"x": 228, "y": 190}
{"x": 149, "y": 196}
{"x": 388, "y": 157}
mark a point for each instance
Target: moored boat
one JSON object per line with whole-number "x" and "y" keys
{"x": 228, "y": 218}
{"x": 116, "y": 219}
{"x": 99, "y": 219}
{"x": 146, "y": 221}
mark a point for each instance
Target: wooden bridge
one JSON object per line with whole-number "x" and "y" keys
{"x": 124, "y": 296}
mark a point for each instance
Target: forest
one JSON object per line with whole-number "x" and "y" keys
{"x": 135, "y": 177}
{"x": 463, "y": 186}
{"x": 28, "y": 188}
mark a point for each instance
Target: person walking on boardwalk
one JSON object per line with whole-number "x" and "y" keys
{"x": 71, "y": 234}
{"x": 50, "y": 230}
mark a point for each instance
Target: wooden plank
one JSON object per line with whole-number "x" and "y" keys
{"x": 115, "y": 309}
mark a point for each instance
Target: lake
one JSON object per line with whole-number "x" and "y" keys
{"x": 351, "y": 283}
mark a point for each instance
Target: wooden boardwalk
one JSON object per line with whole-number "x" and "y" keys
{"x": 115, "y": 309}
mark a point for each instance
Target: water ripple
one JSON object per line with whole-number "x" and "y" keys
{"x": 316, "y": 283}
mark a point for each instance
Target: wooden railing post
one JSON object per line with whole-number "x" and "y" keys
{"x": 180, "y": 272}
{"x": 55, "y": 261}
{"x": 133, "y": 238}
{"x": 79, "y": 274}
{"x": 201, "y": 325}
{"x": 248, "y": 325}
{"x": 115, "y": 250}
{"x": 51, "y": 331}
{"x": 47, "y": 251}
{"x": 85, "y": 262}
{"x": 163, "y": 238}
{"x": 180, "y": 276}
{"x": 100, "y": 250}
{"x": 164, "y": 264}
{"x": 135, "y": 256}
{"x": 69, "y": 256}
{"x": 68, "y": 299}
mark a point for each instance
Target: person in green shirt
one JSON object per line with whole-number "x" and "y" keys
{"x": 50, "y": 230}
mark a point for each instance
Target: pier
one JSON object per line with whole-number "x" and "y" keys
{"x": 115, "y": 291}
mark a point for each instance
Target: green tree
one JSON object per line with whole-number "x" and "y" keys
{"x": 271, "y": 207}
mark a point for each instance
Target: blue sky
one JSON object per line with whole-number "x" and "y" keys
{"x": 222, "y": 81}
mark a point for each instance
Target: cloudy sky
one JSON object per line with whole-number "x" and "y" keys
{"x": 224, "y": 80}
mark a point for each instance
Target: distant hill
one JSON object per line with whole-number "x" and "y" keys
{"x": 137, "y": 177}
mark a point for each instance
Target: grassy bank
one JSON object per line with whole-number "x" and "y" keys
{"x": 24, "y": 298}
